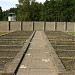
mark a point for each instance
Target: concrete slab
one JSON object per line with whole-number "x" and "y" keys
{"x": 41, "y": 72}
{"x": 38, "y": 60}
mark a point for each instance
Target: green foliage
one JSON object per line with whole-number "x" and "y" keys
{"x": 68, "y": 7}
{"x": 1, "y": 14}
{"x": 5, "y": 13}
{"x": 50, "y": 10}
{"x": 24, "y": 10}
{"x": 53, "y": 10}
{"x": 71, "y": 33}
{"x": 35, "y": 11}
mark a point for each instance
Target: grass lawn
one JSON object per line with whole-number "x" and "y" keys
{"x": 2, "y": 33}
{"x": 72, "y": 33}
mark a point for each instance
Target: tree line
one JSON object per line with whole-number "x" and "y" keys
{"x": 50, "y": 10}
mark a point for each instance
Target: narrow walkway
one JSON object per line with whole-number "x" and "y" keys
{"x": 38, "y": 60}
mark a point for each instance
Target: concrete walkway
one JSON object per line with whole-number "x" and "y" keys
{"x": 38, "y": 60}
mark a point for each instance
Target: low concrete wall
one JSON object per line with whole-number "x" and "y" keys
{"x": 70, "y": 26}
{"x": 15, "y": 26}
{"x": 39, "y": 26}
{"x": 4, "y": 26}
{"x": 27, "y": 26}
{"x": 50, "y": 26}
{"x": 61, "y": 26}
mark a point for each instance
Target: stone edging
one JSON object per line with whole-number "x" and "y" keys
{"x": 15, "y": 64}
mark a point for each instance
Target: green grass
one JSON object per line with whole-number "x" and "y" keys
{"x": 2, "y": 33}
{"x": 72, "y": 33}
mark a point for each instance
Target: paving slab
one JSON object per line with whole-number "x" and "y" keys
{"x": 38, "y": 60}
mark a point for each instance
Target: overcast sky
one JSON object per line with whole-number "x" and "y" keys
{"x": 7, "y": 4}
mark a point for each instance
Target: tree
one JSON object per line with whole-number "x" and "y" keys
{"x": 68, "y": 8}
{"x": 35, "y": 11}
{"x": 24, "y": 10}
{"x": 1, "y": 14}
{"x": 49, "y": 10}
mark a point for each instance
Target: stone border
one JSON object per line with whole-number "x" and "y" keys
{"x": 56, "y": 59}
{"x": 67, "y": 73}
{"x": 58, "y": 63}
{"x": 15, "y": 64}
